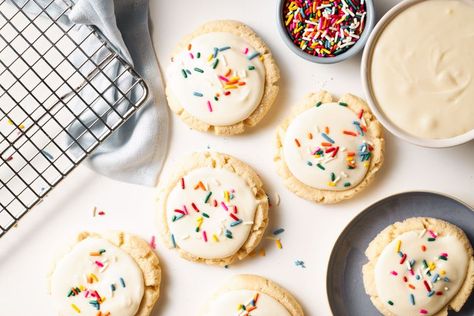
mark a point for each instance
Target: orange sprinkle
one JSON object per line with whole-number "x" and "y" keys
{"x": 242, "y": 83}
{"x": 411, "y": 286}
{"x": 350, "y": 153}
{"x": 325, "y": 144}
{"x": 200, "y": 185}
{"x": 227, "y": 74}
{"x": 94, "y": 253}
{"x": 310, "y": 136}
{"x": 262, "y": 252}
{"x": 326, "y": 130}
{"x": 423, "y": 247}
{"x": 190, "y": 46}
{"x": 297, "y": 142}
{"x": 350, "y": 133}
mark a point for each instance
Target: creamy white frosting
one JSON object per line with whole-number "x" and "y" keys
{"x": 305, "y": 135}
{"x": 229, "y": 304}
{"x": 390, "y": 273}
{"x": 96, "y": 274}
{"x": 194, "y": 78}
{"x": 422, "y": 69}
{"x": 225, "y": 213}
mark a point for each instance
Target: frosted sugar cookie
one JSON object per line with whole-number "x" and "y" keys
{"x": 252, "y": 295}
{"x": 222, "y": 78}
{"x": 328, "y": 149}
{"x": 421, "y": 266}
{"x": 112, "y": 274}
{"x": 212, "y": 209}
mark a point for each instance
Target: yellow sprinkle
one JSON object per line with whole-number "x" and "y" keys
{"x": 397, "y": 248}
{"x": 210, "y": 57}
{"x": 215, "y": 238}
{"x": 324, "y": 50}
{"x": 94, "y": 277}
{"x": 261, "y": 57}
{"x": 278, "y": 243}
{"x": 331, "y": 184}
{"x": 227, "y": 86}
{"x": 442, "y": 272}
{"x": 366, "y": 164}
{"x": 21, "y": 126}
{"x": 82, "y": 288}
{"x": 432, "y": 266}
{"x": 290, "y": 17}
{"x": 74, "y": 306}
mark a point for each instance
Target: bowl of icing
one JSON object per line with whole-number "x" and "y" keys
{"x": 285, "y": 22}
{"x": 418, "y": 72}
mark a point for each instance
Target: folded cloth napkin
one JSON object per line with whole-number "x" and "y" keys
{"x": 135, "y": 152}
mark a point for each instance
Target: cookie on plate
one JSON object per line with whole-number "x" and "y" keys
{"x": 212, "y": 209}
{"x": 252, "y": 295}
{"x": 421, "y": 266}
{"x": 328, "y": 150}
{"x": 222, "y": 78}
{"x": 106, "y": 274}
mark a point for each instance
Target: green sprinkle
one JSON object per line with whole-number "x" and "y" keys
{"x": 185, "y": 75}
{"x": 198, "y": 55}
{"x": 318, "y": 104}
{"x": 197, "y": 94}
{"x": 205, "y": 215}
{"x": 431, "y": 239}
{"x": 207, "y": 197}
{"x": 343, "y": 103}
{"x": 443, "y": 258}
{"x": 333, "y": 176}
{"x": 347, "y": 184}
{"x": 309, "y": 163}
{"x": 214, "y": 66}
{"x": 320, "y": 166}
{"x": 197, "y": 229}
{"x": 390, "y": 303}
{"x": 198, "y": 70}
{"x": 251, "y": 68}
{"x": 122, "y": 281}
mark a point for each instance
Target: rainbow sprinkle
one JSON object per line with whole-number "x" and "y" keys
{"x": 324, "y": 28}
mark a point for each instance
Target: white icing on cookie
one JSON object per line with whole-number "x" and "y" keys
{"x": 256, "y": 304}
{"x": 401, "y": 273}
{"x": 212, "y": 216}
{"x": 219, "y": 79}
{"x": 89, "y": 279}
{"x": 326, "y": 147}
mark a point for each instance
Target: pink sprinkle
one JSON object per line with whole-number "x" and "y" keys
{"x": 316, "y": 150}
{"x": 223, "y": 78}
{"x": 224, "y": 206}
{"x": 394, "y": 273}
{"x": 191, "y": 55}
{"x": 246, "y": 50}
{"x": 411, "y": 272}
{"x": 432, "y": 234}
{"x": 152, "y": 242}
{"x": 444, "y": 254}
{"x": 423, "y": 311}
{"x": 204, "y": 235}
{"x": 185, "y": 210}
{"x": 100, "y": 264}
{"x": 86, "y": 294}
{"x": 183, "y": 185}
{"x": 209, "y": 106}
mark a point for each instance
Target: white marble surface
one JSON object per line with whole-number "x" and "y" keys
{"x": 311, "y": 230}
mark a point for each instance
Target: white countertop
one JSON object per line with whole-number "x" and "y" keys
{"x": 310, "y": 230}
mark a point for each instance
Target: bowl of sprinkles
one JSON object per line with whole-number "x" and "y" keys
{"x": 325, "y": 31}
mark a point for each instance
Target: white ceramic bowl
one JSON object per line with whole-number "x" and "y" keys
{"x": 378, "y": 112}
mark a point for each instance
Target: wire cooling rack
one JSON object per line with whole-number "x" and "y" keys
{"x": 62, "y": 92}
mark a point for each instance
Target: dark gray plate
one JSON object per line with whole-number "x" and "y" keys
{"x": 344, "y": 284}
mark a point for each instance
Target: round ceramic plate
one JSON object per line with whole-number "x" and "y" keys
{"x": 344, "y": 284}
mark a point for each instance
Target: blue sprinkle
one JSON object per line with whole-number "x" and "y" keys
{"x": 430, "y": 294}
{"x": 446, "y": 279}
{"x": 278, "y": 231}
{"x": 47, "y": 154}
{"x": 412, "y": 299}
{"x": 122, "y": 282}
{"x": 112, "y": 287}
{"x": 300, "y": 263}
{"x": 326, "y": 137}
{"x": 173, "y": 241}
{"x": 435, "y": 278}
{"x": 256, "y": 54}
{"x": 224, "y": 48}
{"x": 309, "y": 163}
{"x": 198, "y": 94}
{"x": 233, "y": 224}
{"x": 215, "y": 52}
